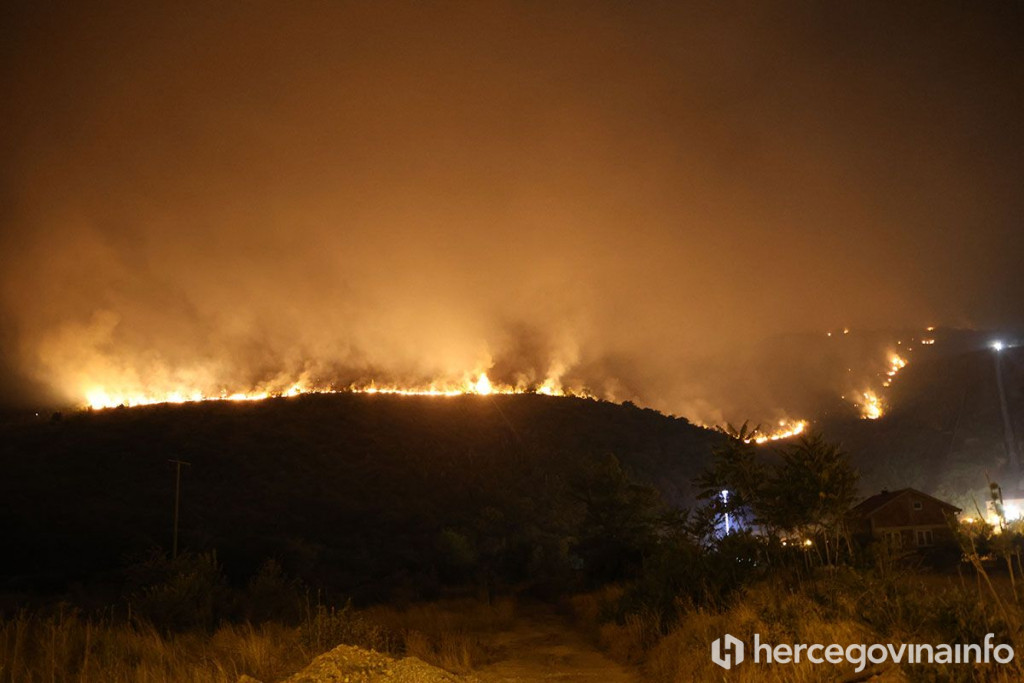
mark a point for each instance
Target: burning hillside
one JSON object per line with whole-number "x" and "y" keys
{"x": 364, "y": 482}
{"x": 479, "y": 385}
{"x": 871, "y": 400}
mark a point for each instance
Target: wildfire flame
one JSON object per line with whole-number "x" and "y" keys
{"x": 483, "y": 385}
{"x": 786, "y": 429}
{"x": 896, "y": 363}
{"x": 872, "y": 407}
{"x": 473, "y": 384}
{"x": 871, "y": 404}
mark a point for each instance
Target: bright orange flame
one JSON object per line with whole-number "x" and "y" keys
{"x": 483, "y": 385}
{"x": 896, "y": 363}
{"x": 872, "y": 407}
{"x": 785, "y": 430}
{"x": 471, "y": 384}
{"x": 871, "y": 404}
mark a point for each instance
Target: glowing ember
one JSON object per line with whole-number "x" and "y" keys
{"x": 896, "y": 363}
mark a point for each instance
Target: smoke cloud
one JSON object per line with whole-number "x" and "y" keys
{"x": 631, "y": 199}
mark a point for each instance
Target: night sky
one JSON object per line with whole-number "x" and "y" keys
{"x": 629, "y": 194}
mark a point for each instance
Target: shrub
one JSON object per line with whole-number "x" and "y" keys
{"x": 186, "y": 593}
{"x": 327, "y": 627}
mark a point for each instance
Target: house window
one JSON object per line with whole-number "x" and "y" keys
{"x": 917, "y": 505}
{"x": 924, "y": 537}
{"x": 893, "y": 538}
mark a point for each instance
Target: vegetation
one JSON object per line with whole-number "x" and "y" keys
{"x": 68, "y": 647}
{"x": 805, "y": 494}
{"x": 376, "y": 514}
{"x": 370, "y": 497}
{"x": 167, "y": 634}
{"x": 704, "y": 583}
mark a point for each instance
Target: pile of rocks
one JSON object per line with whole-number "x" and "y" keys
{"x": 348, "y": 664}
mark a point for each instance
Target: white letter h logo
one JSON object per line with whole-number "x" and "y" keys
{"x": 726, "y": 651}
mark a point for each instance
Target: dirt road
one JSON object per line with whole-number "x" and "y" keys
{"x": 541, "y": 646}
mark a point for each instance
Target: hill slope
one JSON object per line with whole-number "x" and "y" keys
{"x": 354, "y": 491}
{"x": 944, "y": 432}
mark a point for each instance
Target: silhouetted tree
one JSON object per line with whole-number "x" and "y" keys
{"x": 812, "y": 489}
{"x": 808, "y": 491}
{"x": 623, "y": 520}
{"x": 737, "y": 468}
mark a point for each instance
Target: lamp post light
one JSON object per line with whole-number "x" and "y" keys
{"x": 1010, "y": 443}
{"x": 725, "y": 501}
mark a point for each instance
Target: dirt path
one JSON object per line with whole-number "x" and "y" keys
{"x": 544, "y": 647}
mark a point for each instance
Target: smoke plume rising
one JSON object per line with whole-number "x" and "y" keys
{"x": 627, "y": 199}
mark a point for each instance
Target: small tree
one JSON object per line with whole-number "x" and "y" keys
{"x": 622, "y": 523}
{"x": 736, "y": 468}
{"x": 812, "y": 489}
{"x": 808, "y": 490}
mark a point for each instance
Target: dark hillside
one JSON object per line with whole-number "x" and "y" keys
{"x": 352, "y": 491}
{"x": 944, "y": 430}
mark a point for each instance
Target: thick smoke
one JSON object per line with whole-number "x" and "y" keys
{"x": 631, "y": 199}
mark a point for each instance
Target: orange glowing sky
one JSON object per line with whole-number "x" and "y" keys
{"x": 629, "y": 198}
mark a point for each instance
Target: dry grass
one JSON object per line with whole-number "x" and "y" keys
{"x": 448, "y": 634}
{"x": 844, "y": 607}
{"x": 66, "y": 647}
{"x": 629, "y": 642}
{"x": 326, "y": 627}
{"x": 844, "y": 610}
{"x": 684, "y": 655}
{"x": 589, "y": 609}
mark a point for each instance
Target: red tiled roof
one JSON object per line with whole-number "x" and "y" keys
{"x": 874, "y": 503}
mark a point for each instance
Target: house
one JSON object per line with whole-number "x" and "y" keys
{"x": 906, "y": 519}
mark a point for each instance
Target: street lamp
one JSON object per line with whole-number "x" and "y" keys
{"x": 1008, "y": 437}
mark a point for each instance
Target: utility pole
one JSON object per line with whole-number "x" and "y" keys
{"x": 177, "y": 501}
{"x": 1010, "y": 441}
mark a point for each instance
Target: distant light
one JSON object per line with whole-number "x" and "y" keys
{"x": 997, "y": 345}
{"x": 1011, "y": 512}
{"x": 808, "y": 542}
